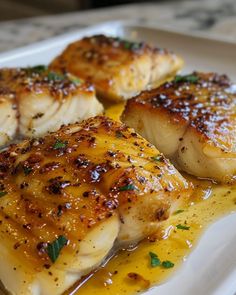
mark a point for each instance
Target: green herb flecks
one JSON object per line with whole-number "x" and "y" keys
{"x": 158, "y": 158}
{"x": 27, "y": 170}
{"x": 178, "y": 211}
{"x": 39, "y": 69}
{"x": 155, "y": 261}
{"x": 167, "y": 264}
{"x": 131, "y": 45}
{"x": 183, "y": 227}
{"x": 128, "y": 187}
{"x": 55, "y": 77}
{"x": 54, "y": 248}
{"x": 60, "y": 144}
{"x": 127, "y": 45}
{"x": 3, "y": 193}
{"x": 186, "y": 78}
{"x": 74, "y": 79}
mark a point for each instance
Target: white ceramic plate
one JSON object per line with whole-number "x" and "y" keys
{"x": 211, "y": 267}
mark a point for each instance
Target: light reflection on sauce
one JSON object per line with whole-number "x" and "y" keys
{"x": 130, "y": 271}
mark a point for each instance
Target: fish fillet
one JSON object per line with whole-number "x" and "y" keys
{"x": 35, "y": 100}
{"x": 68, "y": 198}
{"x": 119, "y": 69}
{"x": 192, "y": 120}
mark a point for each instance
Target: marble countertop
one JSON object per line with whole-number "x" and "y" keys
{"x": 217, "y": 18}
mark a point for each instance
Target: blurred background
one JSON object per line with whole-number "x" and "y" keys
{"x": 16, "y": 9}
{"x": 24, "y": 22}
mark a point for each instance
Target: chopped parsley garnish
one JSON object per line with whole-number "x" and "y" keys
{"x": 128, "y": 187}
{"x": 158, "y": 158}
{"x": 54, "y": 248}
{"x": 178, "y": 211}
{"x": 155, "y": 261}
{"x": 74, "y": 79}
{"x": 186, "y": 78}
{"x": 36, "y": 70}
{"x": 167, "y": 264}
{"x": 55, "y": 77}
{"x": 60, "y": 144}
{"x": 183, "y": 227}
{"x": 131, "y": 45}
{"x": 127, "y": 45}
{"x": 2, "y": 194}
{"x": 27, "y": 170}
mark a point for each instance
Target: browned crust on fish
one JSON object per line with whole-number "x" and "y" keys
{"x": 39, "y": 79}
{"x": 208, "y": 106}
{"x": 71, "y": 180}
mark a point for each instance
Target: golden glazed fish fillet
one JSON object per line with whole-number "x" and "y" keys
{"x": 192, "y": 120}
{"x": 118, "y": 68}
{"x": 67, "y": 199}
{"x": 36, "y": 100}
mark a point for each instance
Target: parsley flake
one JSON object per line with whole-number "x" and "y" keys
{"x": 54, "y": 248}
{"x": 27, "y": 170}
{"x": 127, "y": 44}
{"x": 158, "y": 158}
{"x": 178, "y": 211}
{"x": 186, "y": 78}
{"x": 74, "y": 79}
{"x": 2, "y": 194}
{"x": 183, "y": 227}
{"x": 59, "y": 144}
{"x": 155, "y": 261}
{"x": 131, "y": 45}
{"x": 128, "y": 187}
{"x": 39, "y": 69}
{"x": 55, "y": 77}
{"x": 167, "y": 264}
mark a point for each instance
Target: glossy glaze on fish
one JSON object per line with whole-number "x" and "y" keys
{"x": 67, "y": 199}
{"x": 192, "y": 120}
{"x": 119, "y": 69}
{"x": 35, "y": 100}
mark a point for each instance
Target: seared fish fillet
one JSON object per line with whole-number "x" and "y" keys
{"x": 119, "y": 69}
{"x": 192, "y": 120}
{"x": 67, "y": 199}
{"x": 36, "y": 100}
